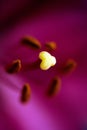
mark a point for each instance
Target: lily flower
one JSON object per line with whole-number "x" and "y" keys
{"x": 33, "y": 98}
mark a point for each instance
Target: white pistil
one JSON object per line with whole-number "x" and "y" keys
{"x": 47, "y": 60}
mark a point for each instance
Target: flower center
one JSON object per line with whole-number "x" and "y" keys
{"x": 44, "y": 61}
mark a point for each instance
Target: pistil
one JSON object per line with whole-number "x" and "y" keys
{"x": 47, "y": 60}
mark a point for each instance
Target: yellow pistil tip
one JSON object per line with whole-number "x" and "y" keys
{"x": 47, "y": 60}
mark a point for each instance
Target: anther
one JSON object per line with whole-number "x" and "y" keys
{"x": 47, "y": 60}
{"x": 51, "y": 45}
{"x": 31, "y": 42}
{"x": 68, "y": 67}
{"x": 26, "y": 93}
{"x": 14, "y": 67}
{"x": 54, "y": 86}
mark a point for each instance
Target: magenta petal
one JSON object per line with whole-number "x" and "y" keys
{"x": 66, "y": 24}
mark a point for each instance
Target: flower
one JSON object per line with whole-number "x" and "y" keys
{"x": 67, "y": 110}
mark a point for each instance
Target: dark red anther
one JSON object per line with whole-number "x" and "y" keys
{"x": 54, "y": 86}
{"x": 14, "y": 67}
{"x": 26, "y": 93}
{"x": 31, "y": 42}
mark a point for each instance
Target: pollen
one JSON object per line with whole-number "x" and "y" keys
{"x": 51, "y": 45}
{"x": 31, "y": 42}
{"x": 47, "y": 60}
{"x": 26, "y": 93}
{"x": 14, "y": 67}
{"x": 69, "y": 66}
{"x": 54, "y": 86}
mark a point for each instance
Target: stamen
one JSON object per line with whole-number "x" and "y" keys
{"x": 47, "y": 60}
{"x": 68, "y": 67}
{"x": 26, "y": 93}
{"x": 32, "y": 42}
{"x": 54, "y": 86}
{"x": 51, "y": 45}
{"x": 14, "y": 67}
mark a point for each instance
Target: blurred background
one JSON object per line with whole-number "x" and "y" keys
{"x": 12, "y": 11}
